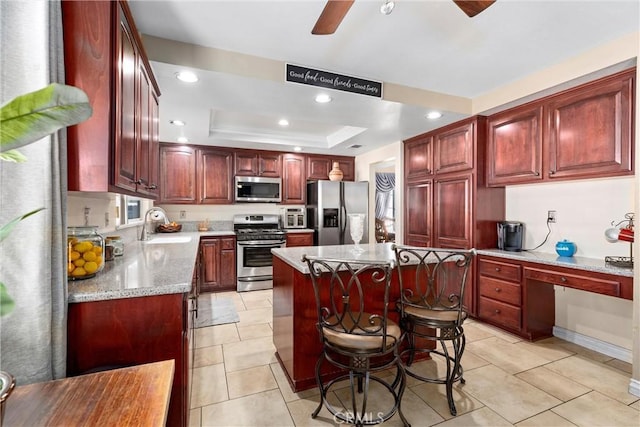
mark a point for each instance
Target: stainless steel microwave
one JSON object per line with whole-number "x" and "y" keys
{"x": 258, "y": 189}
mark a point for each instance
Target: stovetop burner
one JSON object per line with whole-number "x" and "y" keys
{"x": 257, "y": 227}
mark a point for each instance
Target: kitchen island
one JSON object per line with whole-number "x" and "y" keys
{"x": 294, "y": 309}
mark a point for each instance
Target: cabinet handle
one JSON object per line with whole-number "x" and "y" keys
{"x": 498, "y": 289}
{"x": 563, "y": 279}
{"x": 138, "y": 182}
{"x": 497, "y": 268}
{"x": 552, "y": 172}
{"x": 497, "y": 311}
{"x": 537, "y": 173}
{"x": 152, "y": 187}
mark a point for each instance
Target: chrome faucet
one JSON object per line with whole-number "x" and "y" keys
{"x": 143, "y": 235}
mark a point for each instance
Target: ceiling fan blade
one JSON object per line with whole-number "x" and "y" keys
{"x": 331, "y": 17}
{"x": 472, "y": 8}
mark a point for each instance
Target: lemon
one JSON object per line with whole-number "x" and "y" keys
{"x": 83, "y": 247}
{"x": 98, "y": 260}
{"x": 90, "y": 267}
{"x": 97, "y": 250}
{"x": 89, "y": 256}
{"x": 70, "y": 268}
{"x": 79, "y": 262}
{"x": 79, "y": 271}
{"x": 74, "y": 255}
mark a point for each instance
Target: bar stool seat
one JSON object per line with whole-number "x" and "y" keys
{"x": 357, "y": 337}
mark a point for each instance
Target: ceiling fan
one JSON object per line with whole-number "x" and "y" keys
{"x": 335, "y": 10}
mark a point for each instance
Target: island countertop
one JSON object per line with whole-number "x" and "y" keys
{"x": 146, "y": 268}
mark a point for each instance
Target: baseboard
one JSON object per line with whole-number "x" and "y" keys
{"x": 594, "y": 344}
{"x": 634, "y": 387}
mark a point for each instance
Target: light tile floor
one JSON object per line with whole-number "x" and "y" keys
{"x": 238, "y": 382}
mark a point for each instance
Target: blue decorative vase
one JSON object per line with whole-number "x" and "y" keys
{"x": 566, "y": 248}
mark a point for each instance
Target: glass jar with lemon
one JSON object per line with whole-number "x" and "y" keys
{"x": 85, "y": 248}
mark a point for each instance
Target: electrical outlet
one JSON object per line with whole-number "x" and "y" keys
{"x": 551, "y": 216}
{"x": 106, "y": 219}
{"x": 183, "y": 214}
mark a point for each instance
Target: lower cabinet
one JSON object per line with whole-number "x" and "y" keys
{"x": 299, "y": 239}
{"x": 518, "y": 296}
{"x": 123, "y": 332}
{"x": 218, "y": 263}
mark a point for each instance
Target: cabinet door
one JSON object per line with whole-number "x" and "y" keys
{"x": 144, "y": 130}
{"x": 125, "y": 147}
{"x": 418, "y": 158}
{"x": 452, "y": 212}
{"x": 514, "y": 147}
{"x": 228, "y": 264}
{"x": 269, "y": 165}
{"x": 215, "y": 172}
{"x": 454, "y": 149}
{"x": 347, "y": 166}
{"x": 294, "y": 184}
{"x": 210, "y": 249}
{"x": 178, "y": 172}
{"x": 590, "y": 129}
{"x": 154, "y": 146}
{"x": 418, "y": 202}
{"x": 318, "y": 167}
{"x": 246, "y": 163}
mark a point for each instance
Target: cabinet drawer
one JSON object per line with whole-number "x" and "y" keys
{"x": 590, "y": 284}
{"x": 500, "y": 290}
{"x": 228, "y": 243}
{"x": 499, "y": 313}
{"x": 499, "y": 270}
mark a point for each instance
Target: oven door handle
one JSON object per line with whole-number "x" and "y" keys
{"x": 275, "y": 244}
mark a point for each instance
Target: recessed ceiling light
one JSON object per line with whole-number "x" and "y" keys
{"x": 187, "y": 76}
{"x": 297, "y": 148}
{"x": 387, "y": 7}
{"x": 283, "y": 122}
{"x": 432, "y": 115}
{"x": 323, "y": 98}
{"x": 183, "y": 139}
{"x": 177, "y": 122}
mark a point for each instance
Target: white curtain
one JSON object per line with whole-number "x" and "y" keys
{"x": 32, "y": 258}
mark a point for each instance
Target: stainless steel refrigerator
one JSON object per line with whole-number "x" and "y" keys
{"x": 329, "y": 203}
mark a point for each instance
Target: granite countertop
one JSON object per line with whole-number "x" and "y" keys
{"x": 372, "y": 252}
{"x": 144, "y": 269}
{"x": 384, "y": 252}
{"x": 298, "y": 230}
{"x": 576, "y": 262}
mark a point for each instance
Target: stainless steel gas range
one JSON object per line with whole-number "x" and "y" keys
{"x": 256, "y": 235}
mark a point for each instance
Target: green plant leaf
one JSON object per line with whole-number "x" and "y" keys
{"x": 13, "y": 156}
{"x": 33, "y": 116}
{"x": 6, "y": 229}
{"x": 6, "y": 303}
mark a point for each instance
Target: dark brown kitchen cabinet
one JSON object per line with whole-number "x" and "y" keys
{"x": 218, "y": 263}
{"x": 514, "y": 146}
{"x": 318, "y": 167}
{"x": 591, "y": 129}
{"x": 132, "y": 331}
{"x": 418, "y": 158}
{"x": 299, "y": 239}
{"x": 214, "y": 176}
{"x": 104, "y": 56}
{"x": 582, "y": 132}
{"x": 257, "y": 163}
{"x": 294, "y": 183}
{"x": 178, "y": 166}
{"x": 447, "y": 204}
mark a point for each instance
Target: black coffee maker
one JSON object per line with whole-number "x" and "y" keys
{"x": 510, "y": 235}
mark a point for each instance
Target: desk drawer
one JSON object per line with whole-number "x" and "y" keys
{"x": 499, "y": 270}
{"x": 500, "y": 290}
{"x": 590, "y": 284}
{"x": 499, "y": 312}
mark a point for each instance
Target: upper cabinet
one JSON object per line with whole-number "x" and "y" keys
{"x": 418, "y": 157}
{"x": 214, "y": 176}
{"x": 257, "y": 163}
{"x": 584, "y": 132}
{"x": 318, "y": 167}
{"x": 178, "y": 165}
{"x": 453, "y": 149}
{"x": 514, "y": 146}
{"x": 294, "y": 182}
{"x": 117, "y": 148}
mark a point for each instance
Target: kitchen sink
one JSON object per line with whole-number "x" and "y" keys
{"x": 157, "y": 240}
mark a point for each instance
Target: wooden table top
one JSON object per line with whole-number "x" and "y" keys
{"x": 134, "y": 396}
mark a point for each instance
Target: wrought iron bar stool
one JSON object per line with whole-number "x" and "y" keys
{"x": 432, "y": 287}
{"x": 357, "y": 336}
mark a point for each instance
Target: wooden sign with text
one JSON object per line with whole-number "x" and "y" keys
{"x": 326, "y": 79}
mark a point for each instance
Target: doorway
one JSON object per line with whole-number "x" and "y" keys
{"x": 385, "y": 202}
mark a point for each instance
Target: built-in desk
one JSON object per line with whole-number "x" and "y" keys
{"x": 516, "y": 289}
{"x": 135, "y": 396}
